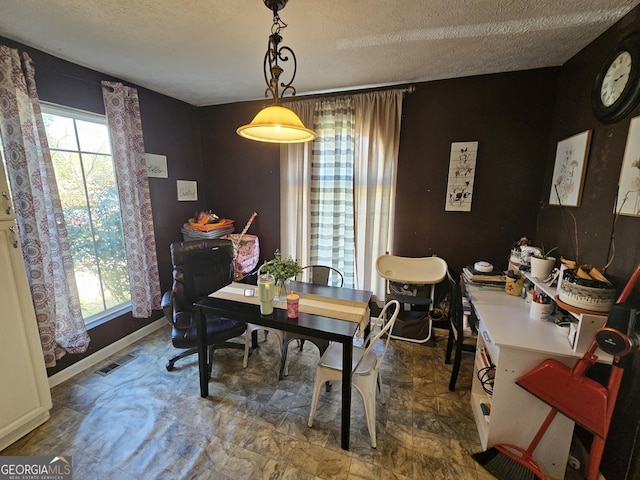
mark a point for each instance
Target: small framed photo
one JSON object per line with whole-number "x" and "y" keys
{"x": 569, "y": 169}
{"x": 187, "y": 190}
{"x": 156, "y": 165}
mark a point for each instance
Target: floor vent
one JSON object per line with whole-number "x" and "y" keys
{"x": 118, "y": 362}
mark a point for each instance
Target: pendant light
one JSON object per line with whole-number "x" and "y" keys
{"x": 276, "y": 123}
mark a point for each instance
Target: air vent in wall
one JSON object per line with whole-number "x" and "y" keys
{"x": 107, "y": 369}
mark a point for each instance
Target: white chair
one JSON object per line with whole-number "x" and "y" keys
{"x": 365, "y": 373}
{"x": 279, "y": 334}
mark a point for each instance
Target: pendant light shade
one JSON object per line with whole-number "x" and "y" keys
{"x": 276, "y": 124}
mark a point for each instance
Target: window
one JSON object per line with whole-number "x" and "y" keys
{"x": 81, "y": 156}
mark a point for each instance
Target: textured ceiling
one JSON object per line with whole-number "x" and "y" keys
{"x": 211, "y": 52}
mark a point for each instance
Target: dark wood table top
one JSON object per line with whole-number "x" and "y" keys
{"x": 306, "y": 324}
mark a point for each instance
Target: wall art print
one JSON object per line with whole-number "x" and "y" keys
{"x": 462, "y": 171}
{"x": 187, "y": 190}
{"x": 628, "y": 202}
{"x": 156, "y": 165}
{"x": 569, "y": 169}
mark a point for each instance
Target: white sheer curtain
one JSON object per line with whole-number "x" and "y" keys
{"x": 377, "y": 142}
{"x": 125, "y": 129}
{"x": 375, "y": 146}
{"x": 43, "y": 233}
{"x": 295, "y": 191}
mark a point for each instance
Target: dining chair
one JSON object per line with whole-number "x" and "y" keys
{"x": 318, "y": 275}
{"x": 323, "y": 275}
{"x": 251, "y": 336}
{"x": 462, "y": 335}
{"x": 365, "y": 368}
{"x": 199, "y": 268}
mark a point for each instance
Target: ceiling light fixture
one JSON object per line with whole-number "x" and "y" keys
{"x": 277, "y": 124}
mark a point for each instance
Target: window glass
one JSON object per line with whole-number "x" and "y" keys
{"x": 93, "y": 137}
{"x": 85, "y": 175}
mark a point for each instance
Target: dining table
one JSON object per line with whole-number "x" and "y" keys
{"x": 337, "y": 314}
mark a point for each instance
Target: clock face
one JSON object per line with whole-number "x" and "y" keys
{"x": 615, "y": 79}
{"x": 616, "y": 89}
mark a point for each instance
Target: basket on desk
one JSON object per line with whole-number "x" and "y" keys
{"x": 513, "y": 285}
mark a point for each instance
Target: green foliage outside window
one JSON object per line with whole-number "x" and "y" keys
{"x": 88, "y": 194}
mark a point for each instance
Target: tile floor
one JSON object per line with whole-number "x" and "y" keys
{"x": 142, "y": 422}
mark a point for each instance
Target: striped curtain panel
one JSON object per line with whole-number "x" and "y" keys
{"x": 332, "y": 182}
{"x": 338, "y": 191}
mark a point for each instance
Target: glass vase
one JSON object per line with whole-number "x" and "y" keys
{"x": 282, "y": 288}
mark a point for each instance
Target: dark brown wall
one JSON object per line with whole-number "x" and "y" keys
{"x": 170, "y": 128}
{"x": 572, "y": 115}
{"x": 508, "y": 114}
{"x": 241, "y": 176}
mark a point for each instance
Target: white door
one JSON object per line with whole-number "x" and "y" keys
{"x": 25, "y": 399}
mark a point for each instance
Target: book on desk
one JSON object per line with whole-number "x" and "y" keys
{"x": 494, "y": 278}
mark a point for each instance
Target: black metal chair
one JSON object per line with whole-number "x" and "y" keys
{"x": 323, "y": 275}
{"x": 200, "y": 267}
{"x": 461, "y": 337}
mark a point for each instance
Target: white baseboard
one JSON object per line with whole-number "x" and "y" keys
{"x": 104, "y": 353}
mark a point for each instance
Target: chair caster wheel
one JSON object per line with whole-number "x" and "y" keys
{"x": 169, "y": 366}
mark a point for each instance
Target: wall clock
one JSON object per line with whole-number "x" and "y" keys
{"x": 616, "y": 89}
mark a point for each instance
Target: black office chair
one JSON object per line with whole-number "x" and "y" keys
{"x": 463, "y": 339}
{"x": 200, "y": 267}
{"x": 318, "y": 275}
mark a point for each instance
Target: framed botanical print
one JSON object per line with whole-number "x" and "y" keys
{"x": 569, "y": 170}
{"x": 628, "y": 202}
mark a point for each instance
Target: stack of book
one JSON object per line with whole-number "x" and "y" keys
{"x": 494, "y": 278}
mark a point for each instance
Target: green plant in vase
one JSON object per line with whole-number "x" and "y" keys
{"x": 542, "y": 263}
{"x": 282, "y": 269}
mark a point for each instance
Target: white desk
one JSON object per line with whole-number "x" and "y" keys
{"x": 517, "y": 344}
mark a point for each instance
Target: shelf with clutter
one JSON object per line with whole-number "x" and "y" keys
{"x": 582, "y": 294}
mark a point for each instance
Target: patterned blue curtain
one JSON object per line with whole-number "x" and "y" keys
{"x": 332, "y": 169}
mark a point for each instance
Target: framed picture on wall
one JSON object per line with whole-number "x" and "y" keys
{"x": 628, "y": 202}
{"x": 156, "y": 165}
{"x": 462, "y": 172}
{"x": 569, "y": 170}
{"x": 187, "y": 190}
